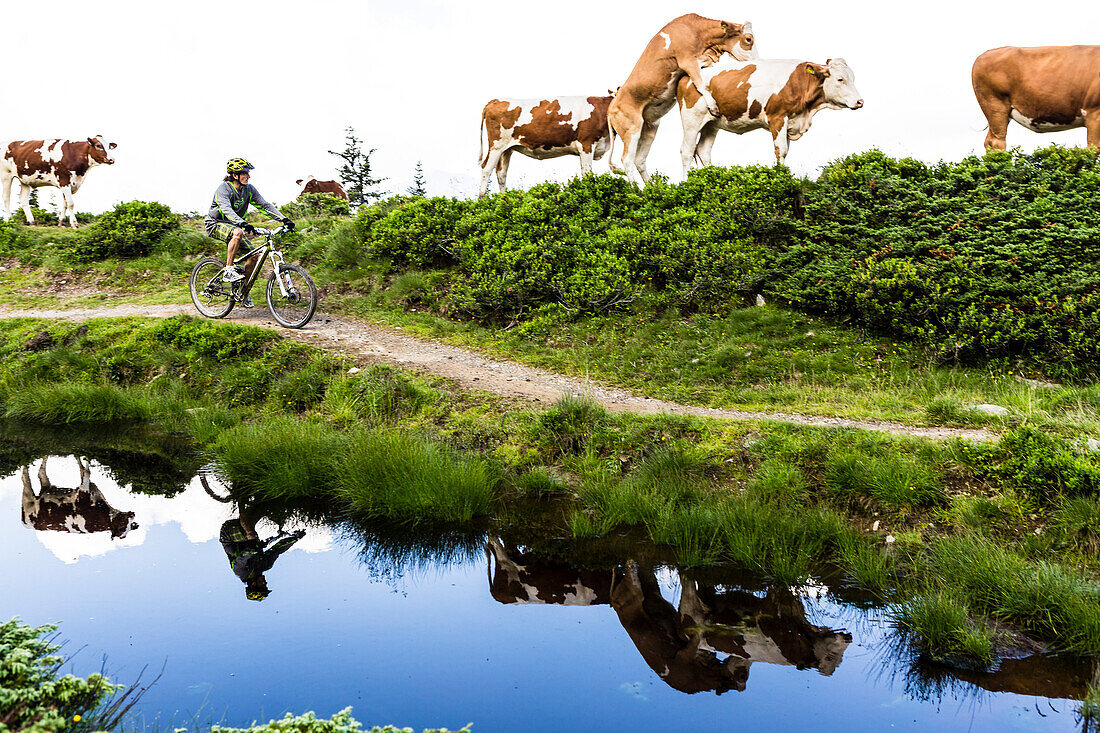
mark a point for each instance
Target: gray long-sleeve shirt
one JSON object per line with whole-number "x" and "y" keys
{"x": 231, "y": 204}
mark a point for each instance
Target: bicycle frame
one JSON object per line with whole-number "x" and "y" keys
{"x": 265, "y": 249}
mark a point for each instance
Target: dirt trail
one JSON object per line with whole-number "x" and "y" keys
{"x": 360, "y": 339}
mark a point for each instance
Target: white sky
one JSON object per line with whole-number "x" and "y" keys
{"x": 182, "y": 87}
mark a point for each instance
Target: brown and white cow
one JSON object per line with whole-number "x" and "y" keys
{"x": 541, "y": 129}
{"x": 781, "y": 96}
{"x": 82, "y": 510}
{"x": 708, "y": 641}
{"x": 59, "y": 163}
{"x": 683, "y": 47}
{"x": 1045, "y": 89}
{"x": 312, "y": 185}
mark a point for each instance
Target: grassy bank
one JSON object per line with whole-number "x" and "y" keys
{"x": 901, "y": 519}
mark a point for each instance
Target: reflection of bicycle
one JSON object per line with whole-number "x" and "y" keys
{"x": 291, "y": 294}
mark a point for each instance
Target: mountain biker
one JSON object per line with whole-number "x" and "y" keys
{"x": 225, "y": 220}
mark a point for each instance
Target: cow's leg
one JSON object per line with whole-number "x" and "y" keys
{"x": 6, "y": 178}
{"x": 706, "y": 143}
{"x": 43, "y": 479}
{"x": 488, "y": 165}
{"x": 1092, "y": 127}
{"x": 628, "y": 127}
{"x": 85, "y": 473}
{"x": 645, "y": 142}
{"x": 25, "y": 201}
{"x": 997, "y": 111}
{"x": 30, "y": 501}
{"x": 694, "y": 120}
{"x": 502, "y": 168}
{"x": 69, "y": 209}
{"x": 780, "y": 142}
{"x": 586, "y": 161}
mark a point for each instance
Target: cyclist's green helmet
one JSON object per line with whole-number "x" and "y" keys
{"x": 238, "y": 165}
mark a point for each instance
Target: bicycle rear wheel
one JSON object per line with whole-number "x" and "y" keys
{"x": 212, "y": 297}
{"x": 294, "y": 309}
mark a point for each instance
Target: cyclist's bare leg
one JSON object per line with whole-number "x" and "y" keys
{"x": 234, "y": 242}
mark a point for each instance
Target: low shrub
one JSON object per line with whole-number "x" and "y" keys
{"x": 132, "y": 229}
{"x": 341, "y": 722}
{"x": 310, "y": 205}
{"x": 35, "y": 698}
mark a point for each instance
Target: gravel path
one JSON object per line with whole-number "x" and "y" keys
{"x": 475, "y": 371}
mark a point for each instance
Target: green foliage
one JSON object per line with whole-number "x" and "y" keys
{"x": 341, "y": 722}
{"x": 569, "y": 424}
{"x": 355, "y": 170}
{"x": 941, "y": 626}
{"x": 1039, "y": 466}
{"x": 989, "y": 257}
{"x": 592, "y": 244}
{"x": 35, "y": 698}
{"x": 132, "y": 229}
{"x": 313, "y": 205}
{"x": 1050, "y": 602}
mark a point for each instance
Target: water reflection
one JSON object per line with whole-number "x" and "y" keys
{"x": 706, "y": 642}
{"x": 697, "y": 631}
{"x": 249, "y": 556}
{"x": 81, "y": 510}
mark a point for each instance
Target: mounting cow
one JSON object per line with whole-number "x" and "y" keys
{"x": 541, "y": 129}
{"x": 683, "y": 47}
{"x": 708, "y": 641}
{"x": 1045, "y": 89}
{"x": 59, "y": 163}
{"x": 781, "y": 96}
{"x": 312, "y": 185}
{"x": 82, "y": 510}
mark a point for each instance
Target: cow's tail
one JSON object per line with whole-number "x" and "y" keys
{"x": 482, "y": 136}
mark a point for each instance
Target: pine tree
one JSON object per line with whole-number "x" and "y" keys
{"x": 355, "y": 174}
{"x": 418, "y": 187}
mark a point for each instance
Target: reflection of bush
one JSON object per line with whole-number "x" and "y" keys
{"x": 146, "y": 462}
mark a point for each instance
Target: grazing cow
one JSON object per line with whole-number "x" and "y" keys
{"x": 541, "y": 129}
{"x": 1045, "y": 89}
{"x": 683, "y": 47}
{"x": 82, "y": 510}
{"x": 59, "y": 163}
{"x": 778, "y": 95}
{"x": 312, "y": 185}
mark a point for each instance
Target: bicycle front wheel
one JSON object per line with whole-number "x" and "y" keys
{"x": 294, "y": 309}
{"x": 212, "y": 297}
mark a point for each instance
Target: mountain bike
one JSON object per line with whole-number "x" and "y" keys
{"x": 291, "y": 295}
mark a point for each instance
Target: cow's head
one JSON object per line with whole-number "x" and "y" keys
{"x": 99, "y": 150}
{"x": 839, "y": 85}
{"x": 121, "y": 524}
{"x": 738, "y": 40}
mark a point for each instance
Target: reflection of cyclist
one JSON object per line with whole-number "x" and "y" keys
{"x": 225, "y": 220}
{"x": 249, "y": 556}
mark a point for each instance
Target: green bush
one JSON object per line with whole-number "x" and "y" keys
{"x": 36, "y": 699}
{"x": 311, "y": 205}
{"x": 341, "y": 722}
{"x": 132, "y": 229}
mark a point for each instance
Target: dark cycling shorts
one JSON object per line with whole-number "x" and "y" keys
{"x": 220, "y": 230}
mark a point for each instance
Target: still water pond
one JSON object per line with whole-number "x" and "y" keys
{"x": 447, "y": 630}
